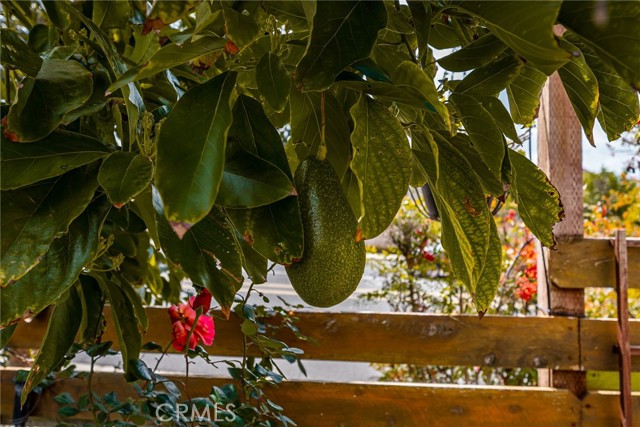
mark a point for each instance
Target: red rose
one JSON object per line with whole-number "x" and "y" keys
{"x": 182, "y": 319}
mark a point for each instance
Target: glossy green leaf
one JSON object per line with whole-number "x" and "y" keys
{"x": 33, "y": 216}
{"x": 273, "y": 80}
{"x": 59, "y": 268}
{"x": 582, "y": 88}
{"x": 381, "y": 162}
{"x": 125, "y": 174}
{"x": 15, "y": 52}
{"x": 42, "y": 102}
{"x": 249, "y": 182}
{"x": 111, "y": 14}
{"x": 306, "y": 128}
{"x": 491, "y": 78}
{"x": 210, "y": 255}
{"x": 538, "y": 200}
{"x": 526, "y": 27}
{"x": 371, "y": 70}
{"x": 611, "y": 30}
{"x": 275, "y": 230}
{"x": 60, "y": 152}
{"x": 618, "y": 110}
{"x": 474, "y": 55}
{"x": 61, "y": 331}
{"x": 191, "y": 149}
{"x": 385, "y": 91}
{"x": 482, "y": 130}
{"x": 410, "y": 76}
{"x": 126, "y": 325}
{"x": 501, "y": 116}
{"x": 332, "y": 46}
{"x": 136, "y": 301}
{"x": 92, "y": 306}
{"x": 169, "y": 56}
{"x": 524, "y": 95}
{"x": 253, "y": 131}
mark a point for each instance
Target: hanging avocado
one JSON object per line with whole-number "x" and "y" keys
{"x": 333, "y": 260}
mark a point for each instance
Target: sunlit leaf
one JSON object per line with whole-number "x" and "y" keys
{"x": 474, "y": 55}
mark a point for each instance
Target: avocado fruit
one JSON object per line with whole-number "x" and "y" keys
{"x": 333, "y": 259}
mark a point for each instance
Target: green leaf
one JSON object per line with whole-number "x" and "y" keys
{"x": 5, "y": 335}
{"x": 273, "y": 81}
{"x": 490, "y": 182}
{"x": 411, "y": 77}
{"x": 123, "y": 175}
{"x": 421, "y": 15}
{"x": 526, "y": 27}
{"x": 582, "y": 88}
{"x": 332, "y": 46}
{"x": 290, "y": 11}
{"x": 474, "y": 55}
{"x": 618, "y": 109}
{"x": 143, "y": 207}
{"x": 524, "y": 94}
{"x": 42, "y": 102}
{"x": 167, "y": 57}
{"x": 250, "y": 182}
{"x": 136, "y": 301}
{"x": 33, "y": 216}
{"x": 191, "y": 149}
{"x": 482, "y": 130}
{"x": 16, "y": 53}
{"x": 140, "y": 370}
{"x": 492, "y": 78}
{"x": 499, "y": 112}
{"x": 253, "y": 131}
{"x": 209, "y": 253}
{"x": 58, "y": 153}
{"x": 611, "y": 30}
{"x": 166, "y": 12}
{"x": 125, "y": 324}
{"x": 306, "y": 128}
{"x": 241, "y": 29}
{"x": 381, "y": 162}
{"x": 57, "y": 14}
{"x": 538, "y": 200}
{"x": 468, "y": 232}
{"x": 253, "y": 262}
{"x": 61, "y": 331}
{"x": 111, "y": 14}
{"x": 371, "y": 70}
{"x": 59, "y": 268}
{"x": 92, "y": 306}
{"x": 275, "y": 230}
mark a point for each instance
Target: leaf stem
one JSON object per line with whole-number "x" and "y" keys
{"x": 322, "y": 149}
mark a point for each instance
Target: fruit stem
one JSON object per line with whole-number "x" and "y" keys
{"x": 322, "y": 149}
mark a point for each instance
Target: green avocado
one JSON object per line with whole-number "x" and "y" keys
{"x": 333, "y": 261}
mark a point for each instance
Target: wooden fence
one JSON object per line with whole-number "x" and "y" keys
{"x": 559, "y": 343}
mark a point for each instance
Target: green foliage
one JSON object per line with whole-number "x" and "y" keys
{"x": 175, "y": 117}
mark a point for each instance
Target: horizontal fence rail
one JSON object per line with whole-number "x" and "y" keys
{"x": 590, "y": 262}
{"x": 422, "y": 339}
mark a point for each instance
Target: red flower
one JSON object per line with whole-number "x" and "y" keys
{"x": 182, "y": 319}
{"x": 428, "y": 256}
{"x": 203, "y": 299}
{"x": 511, "y": 214}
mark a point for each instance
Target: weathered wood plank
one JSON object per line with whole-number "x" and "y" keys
{"x": 584, "y": 263}
{"x": 394, "y": 338}
{"x": 610, "y": 380}
{"x": 602, "y": 409}
{"x": 373, "y": 404}
{"x": 598, "y": 337}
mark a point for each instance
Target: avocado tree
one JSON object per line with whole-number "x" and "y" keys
{"x": 143, "y": 143}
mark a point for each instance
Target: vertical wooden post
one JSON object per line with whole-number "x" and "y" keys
{"x": 624, "y": 347}
{"x": 560, "y": 156}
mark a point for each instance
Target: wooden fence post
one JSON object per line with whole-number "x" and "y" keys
{"x": 560, "y": 156}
